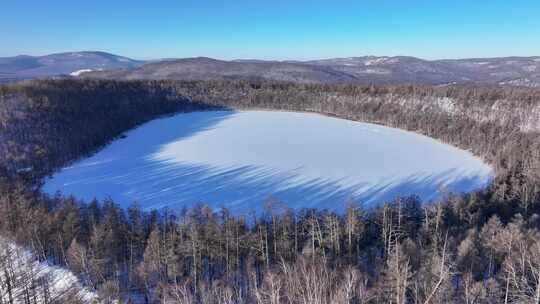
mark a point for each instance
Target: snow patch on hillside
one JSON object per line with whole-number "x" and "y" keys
{"x": 374, "y": 71}
{"x": 38, "y": 280}
{"x": 520, "y": 82}
{"x": 447, "y": 105}
{"x": 381, "y": 60}
{"x": 79, "y": 72}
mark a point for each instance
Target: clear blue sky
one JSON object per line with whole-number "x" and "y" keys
{"x": 291, "y": 29}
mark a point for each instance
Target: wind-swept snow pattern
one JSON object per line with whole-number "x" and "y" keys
{"x": 240, "y": 160}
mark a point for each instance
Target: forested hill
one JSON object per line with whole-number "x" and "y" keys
{"x": 513, "y": 71}
{"x": 71, "y": 63}
{"x": 483, "y": 246}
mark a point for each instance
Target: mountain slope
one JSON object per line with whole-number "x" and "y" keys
{"x": 522, "y": 71}
{"x": 368, "y": 69}
{"x": 24, "y": 67}
{"x": 508, "y": 70}
{"x": 202, "y": 68}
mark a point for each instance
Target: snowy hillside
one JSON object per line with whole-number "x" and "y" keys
{"x": 23, "y": 278}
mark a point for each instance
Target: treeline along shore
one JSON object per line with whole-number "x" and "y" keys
{"x": 480, "y": 247}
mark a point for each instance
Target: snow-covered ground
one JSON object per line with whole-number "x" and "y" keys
{"x": 79, "y": 72}
{"x": 241, "y": 159}
{"x": 22, "y": 277}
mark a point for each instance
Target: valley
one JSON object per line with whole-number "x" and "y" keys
{"x": 270, "y": 152}
{"x": 130, "y": 143}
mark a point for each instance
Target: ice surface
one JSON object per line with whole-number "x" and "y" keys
{"x": 240, "y": 160}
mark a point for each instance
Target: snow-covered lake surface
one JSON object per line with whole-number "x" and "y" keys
{"x": 241, "y": 160}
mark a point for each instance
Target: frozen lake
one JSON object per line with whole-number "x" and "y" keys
{"x": 240, "y": 160}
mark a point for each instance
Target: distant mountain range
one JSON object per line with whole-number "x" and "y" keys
{"x": 522, "y": 71}
{"x": 26, "y": 67}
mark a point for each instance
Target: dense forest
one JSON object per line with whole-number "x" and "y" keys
{"x": 481, "y": 247}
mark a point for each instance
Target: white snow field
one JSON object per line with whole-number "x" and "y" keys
{"x": 241, "y": 160}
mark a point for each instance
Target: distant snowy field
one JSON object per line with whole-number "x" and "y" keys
{"x": 240, "y": 160}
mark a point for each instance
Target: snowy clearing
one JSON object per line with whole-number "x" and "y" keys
{"x": 240, "y": 160}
